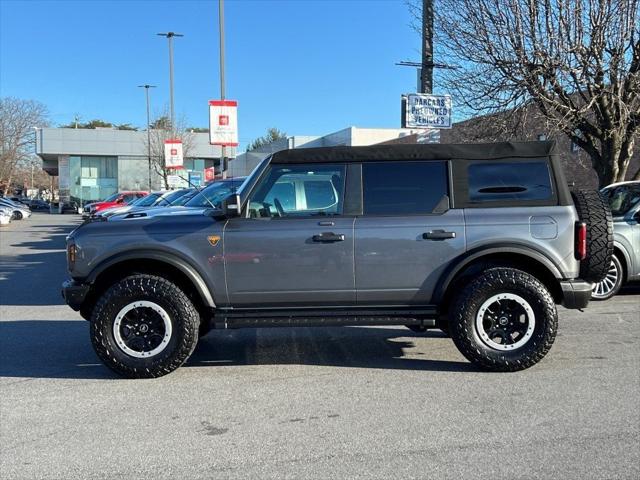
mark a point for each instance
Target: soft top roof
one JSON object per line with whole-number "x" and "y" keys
{"x": 425, "y": 151}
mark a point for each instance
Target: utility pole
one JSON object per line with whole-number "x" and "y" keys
{"x": 146, "y": 89}
{"x": 170, "y": 36}
{"x": 426, "y": 77}
{"x": 223, "y": 156}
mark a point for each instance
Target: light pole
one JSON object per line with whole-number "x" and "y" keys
{"x": 146, "y": 89}
{"x": 170, "y": 36}
{"x": 223, "y": 172}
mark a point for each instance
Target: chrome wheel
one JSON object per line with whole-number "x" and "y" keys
{"x": 610, "y": 284}
{"x": 505, "y": 322}
{"x": 142, "y": 329}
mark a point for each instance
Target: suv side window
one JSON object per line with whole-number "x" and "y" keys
{"x": 299, "y": 190}
{"x": 509, "y": 181}
{"x": 403, "y": 188}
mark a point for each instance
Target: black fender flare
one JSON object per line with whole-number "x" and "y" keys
{"x": 172, "y": 259}
{"x": 477, "y": 253}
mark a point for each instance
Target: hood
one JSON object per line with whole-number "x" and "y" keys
{"x": 107, "y": 212}
{"x": 156, "y": 212}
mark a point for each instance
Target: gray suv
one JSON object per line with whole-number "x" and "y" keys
{"x": 481, "y": 241}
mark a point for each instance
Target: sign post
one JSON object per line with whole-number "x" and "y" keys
{"x": 427, "y": 111}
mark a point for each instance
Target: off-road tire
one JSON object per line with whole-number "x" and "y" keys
{"x": 184, "y": 318}
{"x": 594, "y": 210}
{"x": 462, "y": 323}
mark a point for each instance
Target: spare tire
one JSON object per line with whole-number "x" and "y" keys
{"x": 594, "y": 210}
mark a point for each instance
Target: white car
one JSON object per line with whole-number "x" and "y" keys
{"x": 5, "y": 215}
{"x": 19, "y": 211}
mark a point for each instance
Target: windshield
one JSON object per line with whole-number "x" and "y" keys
{"x": 214, "y": 193}
{"x": 178, "y": 202}
{"x": 146, "y": 201}
{"x": 112, "y": 198}
{"x": 170, "y": 197}
{"x": 622, "y": 198}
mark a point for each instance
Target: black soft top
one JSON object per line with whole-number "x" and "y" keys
{"x": 425, "y": 151}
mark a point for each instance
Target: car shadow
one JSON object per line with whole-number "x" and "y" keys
{"x": 61, "y": 349}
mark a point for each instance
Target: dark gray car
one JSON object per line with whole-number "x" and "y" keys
{"x": 481, "y": 241}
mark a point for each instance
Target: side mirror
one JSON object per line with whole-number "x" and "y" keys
{"x": 231, "y": 206}
{"x": 120, "y": 200}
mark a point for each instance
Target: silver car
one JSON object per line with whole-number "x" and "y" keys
{"x": 624, "y": 199}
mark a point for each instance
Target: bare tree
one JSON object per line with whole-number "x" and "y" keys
{"x": 576, "y": 61}
{"x": 161, "y": 130}
{"x": 17, "y": 136}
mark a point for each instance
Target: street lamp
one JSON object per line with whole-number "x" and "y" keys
{"x": 170, "y": 36}
{"x": 146, "y": 88}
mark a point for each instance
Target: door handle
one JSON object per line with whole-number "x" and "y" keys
{"x": 328, "y": 237}
{"x": 438, "y": 235}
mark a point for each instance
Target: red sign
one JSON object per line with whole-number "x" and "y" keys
{"x": 223, "y": 123}
{"x": 209, "y": 174}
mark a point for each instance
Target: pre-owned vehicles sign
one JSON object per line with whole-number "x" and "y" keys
{"x": 428, "y": 111}
{"x": 223, "y": 123}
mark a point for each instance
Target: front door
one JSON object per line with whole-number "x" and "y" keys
{"x": 292, "y": 247}
{"x": 407, "y": 234}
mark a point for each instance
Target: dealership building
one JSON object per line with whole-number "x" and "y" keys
{"x": 92, "y": 164}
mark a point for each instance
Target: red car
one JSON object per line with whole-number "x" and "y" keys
{"x": 116, "y": 200}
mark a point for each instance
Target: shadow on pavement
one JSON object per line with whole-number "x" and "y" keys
{"x": 34, "y": 278}
{"x": 62, "y": 349}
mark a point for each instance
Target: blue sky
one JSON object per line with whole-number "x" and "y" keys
{"x": 306, "y": 67}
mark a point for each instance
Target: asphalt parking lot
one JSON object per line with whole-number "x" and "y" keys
{"x": 305, "y": 403}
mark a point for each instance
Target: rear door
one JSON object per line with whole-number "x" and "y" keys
{"x": 407, "y": 234}
{"x": 294, "y": 247}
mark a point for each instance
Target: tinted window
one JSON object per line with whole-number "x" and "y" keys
{"x": 403, "y": 188}
{"x": 509, "y": 181}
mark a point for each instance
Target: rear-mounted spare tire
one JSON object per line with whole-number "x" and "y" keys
{"x": 594, "y": 211}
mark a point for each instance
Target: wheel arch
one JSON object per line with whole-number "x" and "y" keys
{"x": 164, "y": 264}
{"x": 521, "y": 257}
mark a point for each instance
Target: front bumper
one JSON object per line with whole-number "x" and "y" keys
{"x": 576, "y": 293}
{"x": 74, "y": 293}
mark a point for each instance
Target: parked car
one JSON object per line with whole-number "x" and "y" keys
{"x": 6, "y": 215}
{"x": 154, "y": 199}
{"x": 39, "y": 205}
{"x": 19, "y": 211}
{"x": 194, "y": 203}
{"x": 624, "y": 200}
{"x": 482, "y": 241}
{"x": 116, "y": 200}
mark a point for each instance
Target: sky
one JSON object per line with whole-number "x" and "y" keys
{"x": 307, "y": 67}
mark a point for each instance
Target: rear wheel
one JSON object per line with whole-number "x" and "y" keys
{"x": 504, "y": 320}
{"x": 611, "y": 283}
{"x": 144, "y": 326}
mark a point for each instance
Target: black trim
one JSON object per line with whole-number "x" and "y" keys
{"x": 353, "y": 190}
{"x": 425, "y": 316}
{"x": 576, "y": 293}
{"x": 166, "y": 257}
{"x": 74, "y": 293}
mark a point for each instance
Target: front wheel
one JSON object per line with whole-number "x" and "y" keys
{"x": 611, "y": 283}
{"x": 144, "y": 326}
{"x": 504, "y": 320}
